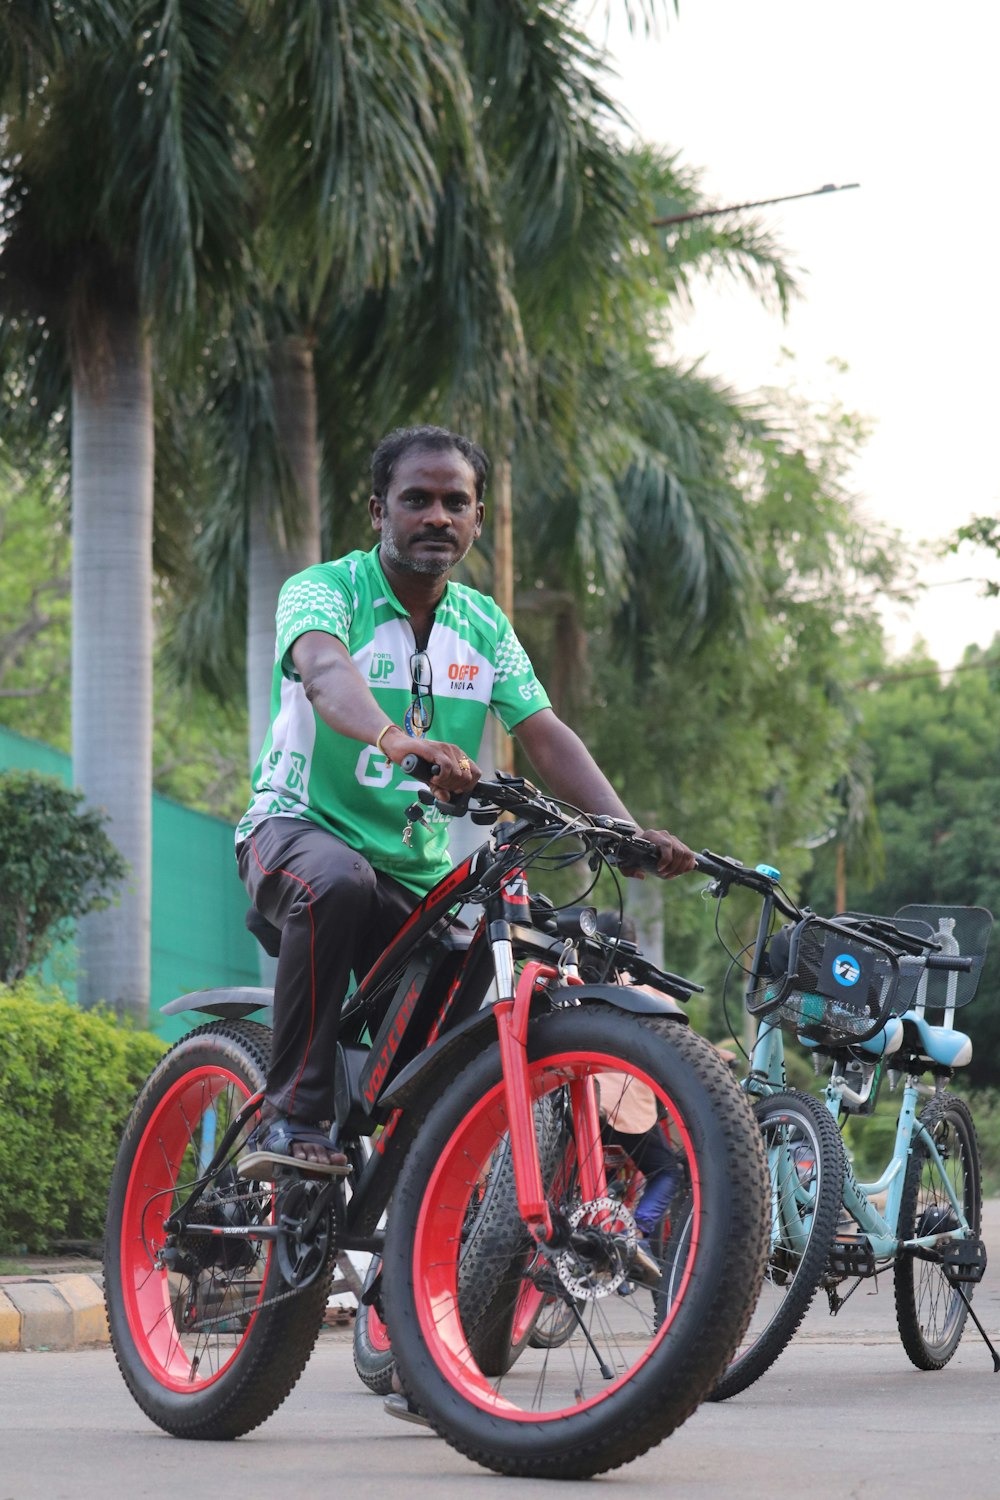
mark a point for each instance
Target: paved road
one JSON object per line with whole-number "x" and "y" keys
{"x": 864, "y": 1424}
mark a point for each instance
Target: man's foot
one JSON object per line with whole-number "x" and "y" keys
{"x": 279, "y": 1140}
{"x": 400, "y": 1406}
{"x": 644, "y": 1269}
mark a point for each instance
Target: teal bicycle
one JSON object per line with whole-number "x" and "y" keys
{"x": 872, "y": 998}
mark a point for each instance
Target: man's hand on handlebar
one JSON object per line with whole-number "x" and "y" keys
{"x": 675, "y": 858}
{"x": 455, "y": 775}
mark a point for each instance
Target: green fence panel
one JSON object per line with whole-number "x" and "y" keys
{"x": 198, "y": 935}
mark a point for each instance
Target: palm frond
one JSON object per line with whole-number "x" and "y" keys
{"x": 174, "y": 177}
{"x": 358, "y": 100}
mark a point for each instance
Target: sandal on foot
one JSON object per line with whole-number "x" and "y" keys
{"x": 271, "y": 1150}
{"x": 644, "y": 1269}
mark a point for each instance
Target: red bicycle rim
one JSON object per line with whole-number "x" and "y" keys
{"x": 440, "y": 1225}
{"x": 148, "y": 1294}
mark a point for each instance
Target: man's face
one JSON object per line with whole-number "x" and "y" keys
{"x": 430, "y": 516}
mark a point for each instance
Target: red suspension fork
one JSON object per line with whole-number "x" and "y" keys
{"x": 589, "y": 1146}
{"x": 512, "y": 1026}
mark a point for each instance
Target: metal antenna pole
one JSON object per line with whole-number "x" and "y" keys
{"x": 708, "y": 213}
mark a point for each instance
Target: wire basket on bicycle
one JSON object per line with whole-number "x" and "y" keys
{"x": 831, "y": 983}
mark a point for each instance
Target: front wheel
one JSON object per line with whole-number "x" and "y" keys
{"x": 805, "y": 1158}
{"x": 635, "y": 1351}
{"x": 207, "y": 1331}
{"x": 930, "y": 1313}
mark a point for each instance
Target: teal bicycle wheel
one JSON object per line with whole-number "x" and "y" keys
{"x": 805, "y": 1159}
{"x": 930, "y": 1313}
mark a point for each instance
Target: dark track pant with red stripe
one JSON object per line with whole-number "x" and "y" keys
{"x": 336, "y": 914}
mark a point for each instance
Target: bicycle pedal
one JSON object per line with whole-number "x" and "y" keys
{"x": 266, "y": 1166}
{"x": 850, "y": 1255}
{"x": 963, "y": 1261}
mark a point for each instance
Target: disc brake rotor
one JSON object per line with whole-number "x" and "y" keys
{"x": 599, "y": 1265}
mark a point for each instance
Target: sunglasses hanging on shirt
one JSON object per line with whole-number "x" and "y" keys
{"x": 420, "y": 715}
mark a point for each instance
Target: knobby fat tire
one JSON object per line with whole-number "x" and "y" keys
{"x": 721, "y": 1293}
{"x": 275, "y": 1349}
{"x": 375, "y": 1367}
{"x": 496, "y": 1249}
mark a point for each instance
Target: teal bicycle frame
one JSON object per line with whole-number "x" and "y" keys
{"x": 767, "y": 1076}
{"x": 946, "y": 1232}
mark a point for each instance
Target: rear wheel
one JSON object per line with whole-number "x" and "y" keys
{"x": 203, "y": 1347}
{"x": 806, "y": 1166}
{"x": 631, "y": 1360}
{"x": 373, "y": 1356}
{"x": 930, "y": 1313}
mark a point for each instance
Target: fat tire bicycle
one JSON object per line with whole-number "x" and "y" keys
{"x": 472, "y": 1059}
{"x": 857, "y": 990}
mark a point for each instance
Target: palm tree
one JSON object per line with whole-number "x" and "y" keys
{"x": 227, "y": 147}
{"x": 595, "y": 430}
{"x": 363, "y": 116}
{"x": 123, "y": 191}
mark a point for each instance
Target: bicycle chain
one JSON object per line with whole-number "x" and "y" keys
{"x": 295, "y": 1291}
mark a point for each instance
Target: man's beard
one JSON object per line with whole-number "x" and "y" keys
{"x": 429, "y": 565}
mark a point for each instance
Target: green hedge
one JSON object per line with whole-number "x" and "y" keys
{"x": 68, "y": 1079}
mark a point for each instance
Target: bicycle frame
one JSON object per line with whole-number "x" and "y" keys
{"x": 384, "y": 1076}
{"x": 440, "y": 983}
{"x": 767, "y": 1076}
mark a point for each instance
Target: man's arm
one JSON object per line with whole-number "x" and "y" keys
{"x": 344, "y": 701}
{"x": 569, "y": 770}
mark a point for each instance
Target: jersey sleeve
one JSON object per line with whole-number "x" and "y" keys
{"x": 517, "y": 692}
{"x": 319, "y": 598}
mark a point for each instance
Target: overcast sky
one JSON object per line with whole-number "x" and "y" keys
{"x": 901, "y": 278}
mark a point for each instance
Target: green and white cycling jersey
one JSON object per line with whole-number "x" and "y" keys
{"x": 306, "y": 770}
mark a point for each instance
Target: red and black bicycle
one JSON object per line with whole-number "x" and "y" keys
{"x": 530, "y": 1320}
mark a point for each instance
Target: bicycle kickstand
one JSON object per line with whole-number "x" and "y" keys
{"x": 983, "y": 1334}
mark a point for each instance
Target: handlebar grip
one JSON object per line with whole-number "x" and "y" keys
{"x": 646, "y": 855}
{"x": 418, "y": 768}
{"x": 956, "y": 962}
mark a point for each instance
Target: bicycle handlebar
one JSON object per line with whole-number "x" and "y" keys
{"x": 958, "y": 963}
{"x": 616, "y": 839}
{"x": 418, "y": 768}
{"x": 726, "y": 871}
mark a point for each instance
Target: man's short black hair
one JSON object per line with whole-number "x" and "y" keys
{"x": 392, "y": 448}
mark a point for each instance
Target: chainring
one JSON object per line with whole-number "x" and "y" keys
{"x": 302, "y": 1253}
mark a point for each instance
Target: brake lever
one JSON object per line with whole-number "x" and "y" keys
{"x": 457, "y": 807}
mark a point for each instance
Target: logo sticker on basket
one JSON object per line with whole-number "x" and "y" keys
{"x": 846, "y": 970}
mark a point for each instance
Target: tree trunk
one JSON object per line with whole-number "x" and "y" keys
{"x": 112, "y": 661}
{"x": 277, "y": 551}
{"x": 503, "y": 584}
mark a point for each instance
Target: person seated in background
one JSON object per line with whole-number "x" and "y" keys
{"x": 629, "y": 1112}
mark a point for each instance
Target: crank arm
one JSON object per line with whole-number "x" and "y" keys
{"x": 234, "y": 1231}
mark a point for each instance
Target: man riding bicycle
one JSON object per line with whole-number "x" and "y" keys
{"x": 373, "y": 652}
